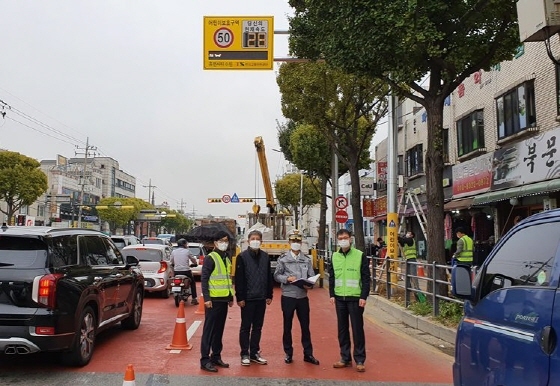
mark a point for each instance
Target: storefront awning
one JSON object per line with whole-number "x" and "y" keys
{"x": 518, "y": 191}
{"x": 458, "y": 203}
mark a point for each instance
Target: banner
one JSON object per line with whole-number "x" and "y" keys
{"x": 368, "y": 209}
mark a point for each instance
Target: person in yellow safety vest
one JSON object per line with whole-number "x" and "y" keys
{"x": 349, "y": 284}
{"x": 465, "y": 248}
{"x": 410, "y": 254}
{"x": 217, "y": 290}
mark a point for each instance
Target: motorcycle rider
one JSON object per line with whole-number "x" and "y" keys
{"x": 181, "y": 261}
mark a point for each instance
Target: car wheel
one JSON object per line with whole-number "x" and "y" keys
{"x": 165, "y": 293}
{"x": 133, "y": 320}
{"x": 176, "y": 301}
{"x": 84, "y": 342}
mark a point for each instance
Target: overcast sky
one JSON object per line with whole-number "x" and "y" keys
{"x": 129, "y": 75}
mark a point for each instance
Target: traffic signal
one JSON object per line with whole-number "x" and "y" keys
{"x": 246, "y": 200}
{"x": 213, "y": 200}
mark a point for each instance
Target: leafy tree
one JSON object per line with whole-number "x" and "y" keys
{"x": 21, "y": 181}
{"x": 344, "y": 108}
{"x": 288, "y": 191}
{"x": 116, "y": 216}
{"x": 176, "y": 222}
{"x": 403, "y": 41}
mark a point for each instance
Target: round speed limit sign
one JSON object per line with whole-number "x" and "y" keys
{"x": 223, "y": 37}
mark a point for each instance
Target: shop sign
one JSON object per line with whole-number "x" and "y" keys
{"x": 368, "y": 209}
{"x": 473, "y": 176}
{"x": 380, "y": 206}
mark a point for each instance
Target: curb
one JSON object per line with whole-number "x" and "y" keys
{"x": 414, "y": 321}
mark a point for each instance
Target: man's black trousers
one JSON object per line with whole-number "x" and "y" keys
{"x": 351, "y": 310}
{"x": 213, "y": 331}
{"x": 252, "y": 319}
{"x": 301, "y": 308}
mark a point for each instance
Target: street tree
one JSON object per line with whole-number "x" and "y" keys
{"x": 117, "y": 216}
{"x": 21, "y": 182}
{"x": 402, "y": 42}
{"x": 176, "y": 222}
{"x": 344, "y": 108}
{"x": 289, "y": 190}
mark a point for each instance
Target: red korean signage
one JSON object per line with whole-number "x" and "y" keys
{"x": 380, "y": 206}
{"x": 368, "y": 209}
{"x": 382, "y": 171}
{"x": 472, "y": 177}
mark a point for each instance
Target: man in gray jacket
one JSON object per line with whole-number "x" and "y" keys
{"x": 291, "y": 266}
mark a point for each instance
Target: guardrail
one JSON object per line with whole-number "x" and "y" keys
{"x": 393, "y": 274}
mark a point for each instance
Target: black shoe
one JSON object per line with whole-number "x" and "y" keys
{"x": 194, "y": 302}
{"x": 310, "y": 359}
{"x": 209, "y": 367}
{"x": 288, "y": 359}
{"x": 220, "y": 363}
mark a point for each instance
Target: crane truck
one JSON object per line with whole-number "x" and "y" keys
{"x": 274, "y": 241}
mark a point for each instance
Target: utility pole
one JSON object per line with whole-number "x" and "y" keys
{"x": 83, "y": 178}
{"x": 182, "y": 206}
{"x": 150, "y": 186}
{"x": 392, "y": 186}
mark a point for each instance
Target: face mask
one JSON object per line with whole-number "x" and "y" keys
{"x": 222, "y": 246}
{"x": 343, "y": 243}
{"x": 295, "y": 246}
{"x": 255, "y": 244}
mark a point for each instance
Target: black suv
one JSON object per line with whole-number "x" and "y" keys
{"x": 60, "y": 287}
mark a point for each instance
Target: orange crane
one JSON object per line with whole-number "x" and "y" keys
{"x": 270, "y": 204}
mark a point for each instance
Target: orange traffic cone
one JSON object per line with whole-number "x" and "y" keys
{"x": 129, "y": 379}
{"x": 200, "y": 309}
{"x": 420, "y": 269}
{"x": 179, "y": 341}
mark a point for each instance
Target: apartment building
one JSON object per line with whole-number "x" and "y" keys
{"x": 502, "y": 135}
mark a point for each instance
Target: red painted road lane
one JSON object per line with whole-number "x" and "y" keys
{"x": 390, "y": 357}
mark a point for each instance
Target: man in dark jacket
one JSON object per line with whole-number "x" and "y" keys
{"x": 253, "y": 290}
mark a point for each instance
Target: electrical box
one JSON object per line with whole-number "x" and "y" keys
{"x": 538, "y": 19}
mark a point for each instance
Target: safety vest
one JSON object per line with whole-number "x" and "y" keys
{"x": 466, "y": 255}
{"x": 347, "y": 273}
{"x": 409, "y": 251}
{"x": 219, "y": 282}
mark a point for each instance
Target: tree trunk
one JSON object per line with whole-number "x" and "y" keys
{"x": 356, "y": 206}
{"x": 434, "y": 187}
{"x": 321, "y": 240}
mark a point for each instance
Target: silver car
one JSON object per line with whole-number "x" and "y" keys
{"x": 155, "y": 265}
{"x": 199, "y": 252}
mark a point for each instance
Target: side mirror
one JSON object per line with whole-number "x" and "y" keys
{"x": 461, "y": 282}
{"x": 132, "y": 261}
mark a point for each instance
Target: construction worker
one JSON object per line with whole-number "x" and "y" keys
{"x": 465, "y": 248}
{"x": 217, "y": 290}
{"x": 410, "y": 255}
{"x": 349, "y": 284}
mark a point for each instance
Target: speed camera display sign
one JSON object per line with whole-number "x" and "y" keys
{"x": 238, "y": 42}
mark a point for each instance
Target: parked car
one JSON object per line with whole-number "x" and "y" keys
{"x": 155, "y": 240}
{"x": 508, "y": 335}
{"x": 59, "y": 288}
{"x": 124, "y": 240}
{"x": 200, "y": 253}
{"x": 154, "y": 262}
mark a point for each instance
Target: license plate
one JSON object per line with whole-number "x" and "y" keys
{"x": 175, "y": 289}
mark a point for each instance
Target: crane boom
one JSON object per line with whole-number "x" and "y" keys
{"x": 259, "y": 145}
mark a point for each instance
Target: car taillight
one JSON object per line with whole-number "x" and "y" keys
{"x": 177, "y": 281}
{"x": 162, "y": 267}
{"x": 44, "y": 289}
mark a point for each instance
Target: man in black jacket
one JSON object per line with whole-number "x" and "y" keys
{"x": 253, "y": 290}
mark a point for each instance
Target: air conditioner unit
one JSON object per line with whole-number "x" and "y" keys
{"x": 538, "y": 19}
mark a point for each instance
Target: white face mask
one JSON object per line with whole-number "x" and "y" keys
{"x": 255, "y": 244}
{"x": 343, "y": 243}
{"x": 295, "y": 246}
{"x": 222, "y": 246}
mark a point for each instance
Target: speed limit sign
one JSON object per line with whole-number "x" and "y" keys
{"x": 223, "y": 37}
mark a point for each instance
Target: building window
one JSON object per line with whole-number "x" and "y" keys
{"x": 41, "y": 211}
{"x": 400, "y": 165}
{"x": 445, "y": 149}
{"x": 470, "y": 133}
{"x": 516, "y": 110}
{"x": 414, "y": 161}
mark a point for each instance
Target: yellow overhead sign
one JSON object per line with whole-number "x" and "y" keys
{"x": 238, "y": 42}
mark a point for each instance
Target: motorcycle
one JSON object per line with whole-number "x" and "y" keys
{"x": 181, "y": 288}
